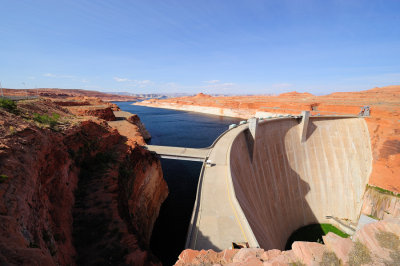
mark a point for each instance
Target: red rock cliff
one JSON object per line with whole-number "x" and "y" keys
{"x": 74, "y": 192}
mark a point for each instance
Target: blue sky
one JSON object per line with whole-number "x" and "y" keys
{"x": 211, "y": 46}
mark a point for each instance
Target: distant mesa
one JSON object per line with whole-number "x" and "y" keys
{"x": 202, "y": 95}
{"x": 295, "y": 94}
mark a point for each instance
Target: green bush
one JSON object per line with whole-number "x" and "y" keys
{"x": 384, "y": 191}
{"x": 3, "y": 178}
{"x": 9, "y": 105}
{"x": 52, "y": 121}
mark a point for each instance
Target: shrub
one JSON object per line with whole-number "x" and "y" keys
{"x": 3, "y": 178}
{"x": 384, "y": 191}
{"x": 9, "y": 105}
{"x": 329, "y": 259}
{"x": 12, "y": 130}
{"x": 359, "y": 255}
{"x": 52, "y": 121}
{"x": 390, "y": 241}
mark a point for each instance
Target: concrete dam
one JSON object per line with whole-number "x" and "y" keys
{"x": 265, "y": 179}
{"x": 286, "y": 183}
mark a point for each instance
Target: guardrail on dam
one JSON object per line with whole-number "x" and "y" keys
{"x": 179, "y": 153}
{"x": 268, "y": 181}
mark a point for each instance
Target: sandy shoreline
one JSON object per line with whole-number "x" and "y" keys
{"x": 230, "y": 112}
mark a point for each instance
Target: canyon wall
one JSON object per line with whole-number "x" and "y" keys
{"x": 283, "y": 183}
{"x": 380, "y": 204}
{"x": 74, "y": 192}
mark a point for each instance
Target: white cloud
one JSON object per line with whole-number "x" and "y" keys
{"x": 211, "y": 81}
{"x": 228, "y": 84}
{"x": 117, "y": 79}
{"x": 221, "y": 85}
{"x": 51, "y": 75}
{"x": 134, "y": 82}
{"x": 143, "y": 81}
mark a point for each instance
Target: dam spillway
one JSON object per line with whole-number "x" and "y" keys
{"x": 263, "y": 187}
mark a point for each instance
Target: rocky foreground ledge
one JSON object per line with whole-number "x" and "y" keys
{"x": 73, "y": 189}
{"x": 374, "y": 244}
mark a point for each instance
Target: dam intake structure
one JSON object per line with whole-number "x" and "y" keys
{"x": 265, "y": 179}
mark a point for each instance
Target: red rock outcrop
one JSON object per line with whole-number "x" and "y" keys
{"x": 374, "y": 244}
{"x": 89, "y": 106}
{"x": 134, "y": 119}
{"x": 102, "y": 112}
{"x": 63, "y": 188}
{"x": 72, "y": 103}
{"x": 380, "y": 204}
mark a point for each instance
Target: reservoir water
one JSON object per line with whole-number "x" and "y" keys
{"x": 181, "y": 129}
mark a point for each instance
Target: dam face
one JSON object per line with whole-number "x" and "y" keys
{"x": 282, "y": 183}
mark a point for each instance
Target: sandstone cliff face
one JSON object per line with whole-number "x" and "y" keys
{"x": 75, "y": 193}
{"x": 38, "y": 188}
{"x": 89, "y": 106}
{"x": 101, "y": 112}
{"x": 380, "y": 204}
{"x": 130, "y": 126}
{"x": 134, "y": 119}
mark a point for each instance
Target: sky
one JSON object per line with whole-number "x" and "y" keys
{"x": 210, "y": 46}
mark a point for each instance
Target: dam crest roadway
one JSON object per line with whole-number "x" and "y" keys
{"x": 264, "y": 179}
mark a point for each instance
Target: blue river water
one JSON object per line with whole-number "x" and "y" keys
{"x": 182, "y": 129}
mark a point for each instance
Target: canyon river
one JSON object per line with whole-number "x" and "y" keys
{"x": 181, "y": 129}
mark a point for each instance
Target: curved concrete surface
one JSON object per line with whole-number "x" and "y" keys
{"x": 286, "y": 184}
{"x": 261, "y": 190}
{"x": 217, "y": 219}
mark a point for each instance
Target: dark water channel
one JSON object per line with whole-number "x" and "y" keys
{"x": 182, "y": 129}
